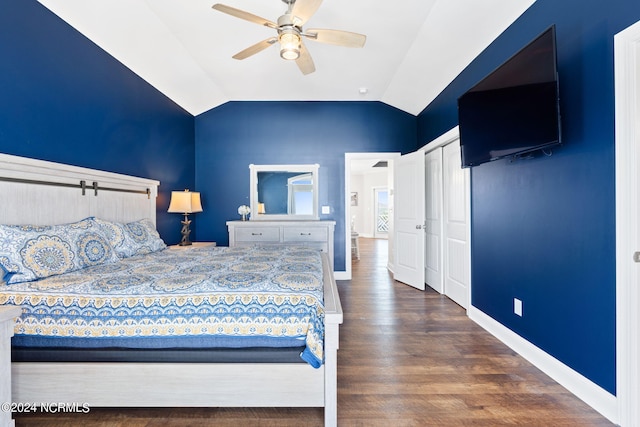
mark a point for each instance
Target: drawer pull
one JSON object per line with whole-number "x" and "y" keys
{"x": 256, "y": 234}
{"x": 305, "y": 234}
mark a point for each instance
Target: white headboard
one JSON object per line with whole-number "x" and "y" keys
{"x": 45, "y": 193}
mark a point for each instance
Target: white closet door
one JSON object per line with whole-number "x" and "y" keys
{"x": 456, "y": 226}
{"x": 433, "y": 220}
{"x": 409, "y": 181}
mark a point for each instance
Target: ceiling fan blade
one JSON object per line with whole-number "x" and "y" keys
{"x": 258, "y": 47}
{"x": 337, "y": 37}
{"x": 303, "y": 10}
{"x": 304, "y": 62}
{"x": 244, "y": 15}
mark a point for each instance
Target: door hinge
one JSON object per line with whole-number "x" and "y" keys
{"x": 636, "y": 257}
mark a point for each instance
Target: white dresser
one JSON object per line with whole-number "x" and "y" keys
{"x": 316, "y": 234}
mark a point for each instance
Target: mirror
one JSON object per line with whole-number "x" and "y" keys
{"x": 286, "y": 192}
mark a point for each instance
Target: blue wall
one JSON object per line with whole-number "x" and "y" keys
{"x": 236, "y": 134}
{"x": 64, "y": 99}
{"x": 543, "y": 230}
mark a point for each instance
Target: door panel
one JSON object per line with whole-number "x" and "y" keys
{"x": 433, "y": 219}
{"x": 406, "y": 253}
{"x": 456, "y": 272}
{"x": 409, "y": 190}
{"x": 456, "y": 226}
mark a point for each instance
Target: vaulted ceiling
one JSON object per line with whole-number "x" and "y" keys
{"x": 414, "y": 48}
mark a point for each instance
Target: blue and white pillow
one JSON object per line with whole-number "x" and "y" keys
{"x": 133, "y": 238}
{"x": 30, "y": 252}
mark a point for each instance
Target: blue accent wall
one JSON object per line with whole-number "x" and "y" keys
{"x": 231, "y": 137}
{"x": 543, "y": 229}
{"x": 64, "y": 99}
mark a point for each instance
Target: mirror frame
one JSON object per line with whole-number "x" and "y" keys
{"x": 253, "y": 191}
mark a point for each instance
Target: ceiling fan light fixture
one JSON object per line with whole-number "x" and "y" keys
{"x": 290, "y": 33}
{"x": 289, "y": 45}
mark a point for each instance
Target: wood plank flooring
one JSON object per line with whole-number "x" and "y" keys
{"x": 406, "y": 358}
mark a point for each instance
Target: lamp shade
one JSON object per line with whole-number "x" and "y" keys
{"x": 185, "y": 202}
{"x": 289, "y": 45}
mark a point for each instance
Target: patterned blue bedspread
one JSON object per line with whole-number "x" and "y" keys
{"x": 268, "y": 291}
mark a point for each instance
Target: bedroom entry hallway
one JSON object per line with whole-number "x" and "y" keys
{"x": 406, "y": 358}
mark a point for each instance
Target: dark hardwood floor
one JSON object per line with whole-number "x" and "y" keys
{"x": 406, "y": 358}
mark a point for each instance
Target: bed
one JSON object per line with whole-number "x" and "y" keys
{"x": 295, "y": 367}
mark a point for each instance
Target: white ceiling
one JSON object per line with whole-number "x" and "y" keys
{"x": 414, "y": 48}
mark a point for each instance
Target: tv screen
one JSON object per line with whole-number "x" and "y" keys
{"x": 515, "y": 109}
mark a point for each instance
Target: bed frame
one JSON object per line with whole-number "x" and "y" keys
{"x": 40, "y": 192}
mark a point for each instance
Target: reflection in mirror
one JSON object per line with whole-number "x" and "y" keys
{"x": 284, "y": 192}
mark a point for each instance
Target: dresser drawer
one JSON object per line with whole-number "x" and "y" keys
{"x": 322, "y": 246}
{"x": 257, "y": 234}
{"x": 305, "y": 234}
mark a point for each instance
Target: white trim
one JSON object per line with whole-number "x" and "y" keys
{"x": 596, "y": 397}
{"x": 444, "y": 139}
{"x": 627, "y": 140}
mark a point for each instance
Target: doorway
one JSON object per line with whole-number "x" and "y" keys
{"x": 364, "y": 174}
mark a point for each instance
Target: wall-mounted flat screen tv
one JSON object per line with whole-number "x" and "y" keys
{"x": 515, "y": 109}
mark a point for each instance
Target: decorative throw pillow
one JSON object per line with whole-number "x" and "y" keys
{"x": 4, "y": 274}
{"x": 7, "y": 268}
{"x": 133, "y": 238}
{"x": 30, "y": 252}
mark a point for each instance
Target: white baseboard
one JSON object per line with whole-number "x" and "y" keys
{"x": 341, "y": 275}
{"x": 592, "y": 394}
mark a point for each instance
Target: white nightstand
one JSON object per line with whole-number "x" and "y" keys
{"x": 192, "y": 245}
{"x": 7, "y": 320}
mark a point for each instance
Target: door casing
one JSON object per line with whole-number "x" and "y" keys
{"x": 627, "y": 158}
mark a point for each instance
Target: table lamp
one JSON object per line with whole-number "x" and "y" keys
{"x": 185, "y": 202}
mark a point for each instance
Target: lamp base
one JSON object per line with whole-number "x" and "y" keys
{"x": 185, "y": 231}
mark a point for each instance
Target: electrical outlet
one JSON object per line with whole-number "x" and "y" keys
{"x": 517, "y": 307}
{"x": 326, "y": 210}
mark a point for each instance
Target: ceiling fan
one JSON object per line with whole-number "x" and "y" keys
{"x": 290, "y": 33}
